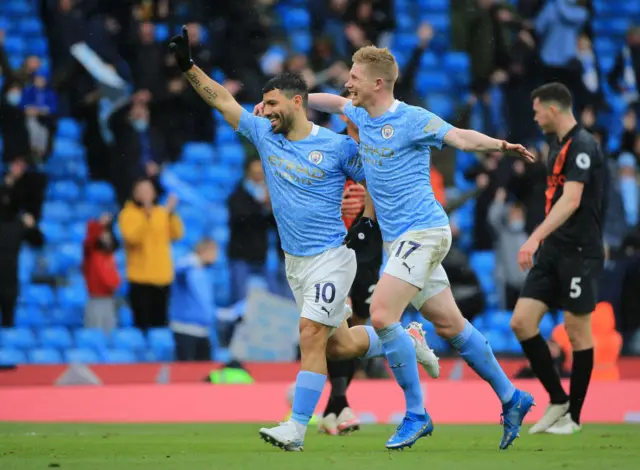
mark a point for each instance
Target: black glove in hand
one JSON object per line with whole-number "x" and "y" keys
{"x": 181, "y": 50}
{"x": 361, "y": 233}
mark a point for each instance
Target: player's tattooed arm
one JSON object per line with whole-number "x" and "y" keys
{"x": 215, "y": 95}
{"x": 327, "y": 103}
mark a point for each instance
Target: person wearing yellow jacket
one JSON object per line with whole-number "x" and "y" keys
{"x": 147, "y": 230}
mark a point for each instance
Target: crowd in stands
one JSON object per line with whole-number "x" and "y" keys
{"x": 131, "y": 215}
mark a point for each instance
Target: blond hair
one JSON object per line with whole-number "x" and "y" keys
{"x": 379, "y": 61}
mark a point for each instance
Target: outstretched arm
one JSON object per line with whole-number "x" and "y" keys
{"x": 214, "y": 94}
{"x": 327, "y": 103}
{"x": 468, "y": 140}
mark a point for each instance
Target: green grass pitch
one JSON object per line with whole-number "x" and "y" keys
{"x": 238, "y": 446}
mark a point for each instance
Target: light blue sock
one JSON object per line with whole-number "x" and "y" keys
{"x": 309, "y": 387}
{"x": 401, "y": 354}
{"x": 375, "y": 345}
{"x": 476, "y": 351}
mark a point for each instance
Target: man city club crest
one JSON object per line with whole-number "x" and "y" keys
{"x": 315, "y": 157}
{"x": 387, "y": 131}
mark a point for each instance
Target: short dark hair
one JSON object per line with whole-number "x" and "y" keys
{"x": 554, "y": 91}
{"x": 290, "y": 84}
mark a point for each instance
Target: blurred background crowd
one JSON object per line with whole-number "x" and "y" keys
{"x": 134, "y": 221}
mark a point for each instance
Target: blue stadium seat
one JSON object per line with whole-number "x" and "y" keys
{"x": 225, "y": 134}
{"x": 71, "y": 317}
{"x": 73, "y": 296}
{"x": 18, "y": 9}
{"x": 405, "y": 41}
{"x": 63, "y": 190}
{"x": 69, "y": 256}
{"x": 17, "y": 338}
{"x": 125, "y": 316}
{"x": 55, "y": 211}
{"x": 91, "y": 338}
{"x": 37, "y": 294}
{"x": 161, "y": 32}
{"x": 432, "y": 82}
{"x": 301, "y": 41}
{"x": 405, "y": 22}
{"x": 10, "y": 357}
{"x": 69, "y": 128}
{"x": 14, "y": 45}
{"x": 162, "y": 343}
{"x": 81, "y": 356}
{"x": 221, "y": 235}
{"x": 77, "y": 232}
{"x": 37, "y": 46}
{"x": 231, "y": 154}
{"x": 483, "y": 262}
{"x": 429, "y": 61}
{"x": 547, "y": 324}
{"x": 30, "y": 316}
{"x": 296, "y": 18}
{"x": 45, "y": 356}
{"x": 31, "y": 26}
{"x": 130, "y": 339}
{"x": 440, "y": 104}
{"x": 196, "y": 152}
{"x": 499, "y": 320}
{"x": 100, "y": 192}
{"x": 86, "y": 210}
{"x": 67, "y": 149}
{"x": 219, "y": 214}
{"x": 118, "y": 356}
{"x": 214, "y": 192}
{"x": 54, "y": 232}
{"x": 434, "y": 5}
{"x": 55, "y": 338}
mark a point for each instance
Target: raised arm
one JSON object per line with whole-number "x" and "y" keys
{"x": 209, "y": 90}
{"x": 327, "y": 103}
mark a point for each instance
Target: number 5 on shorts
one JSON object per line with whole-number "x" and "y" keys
{"x": 413, "y": 246}
{"x": 574, "y": 289}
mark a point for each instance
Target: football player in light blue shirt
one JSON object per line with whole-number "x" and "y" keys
{"x": 395, "y": 142}
{"x": 305, "y": 167}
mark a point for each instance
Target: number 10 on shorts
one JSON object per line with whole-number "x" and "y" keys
{"x": 327, "y": 291}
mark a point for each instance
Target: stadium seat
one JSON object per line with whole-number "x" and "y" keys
{"x": 432, "y": 82}
{"x": 130, "y": 339}
{"x": 301, "y": 41}
{"x": 296, "y": 18}
{"x": 37, "y": 294}
{"x": 71, "y": 317}
{"x": 54, "y": 232}
{"x": 162, "y": 344}
{"x": 55, "y": 211}
{"x": 91, "y": 338}
{"x": 225, "y": 134}
{"x": 67, "y": 149}
{"x": 69, "y": 256}
{"x": 83, "y": 211}
{"x": 69, "y": 128}
{"x": 30, "y": 316}
{"x": 14, "y": 45}
{"x": 214, "y": 192}
{"x": 199, "y": 153}
{"x": 125, "y": 316}
{"x": 429, "y": 61}
{"x": 188, "y": 172}
{"x": 55, "y": 338}
{"x": 17, "y": 338}
{"x": 99, "y": 192}
{"x": 161, "y": 32}
{"x": 547, "y": 324}
{"x": 221, "y": 235}
{"x": 499, "y": 320}
{"x": 483, "y": 262}
{"x": 118, "y": 356}
{"x": 45, "y": 356}
{"x": 10, "y": 357}
{"x": 37, "y": 46}
{"x": 81, "y": 356}
{"x": 219, "y": 214}
{"x": 64, "y": 190}
{"x": 231, "y": 154}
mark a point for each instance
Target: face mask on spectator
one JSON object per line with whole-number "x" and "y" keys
{"x": 14, "y": 97}
{"x": 516, "y": 225}
{"x": 256, "y": 190}
{"x": 140, "y": 125}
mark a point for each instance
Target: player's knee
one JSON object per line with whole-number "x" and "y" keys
{"x": 579, "y": 332}
{"x": 522, "y": 325}
{"x": 313, "y": 336}
{"x": 380, "y": 315}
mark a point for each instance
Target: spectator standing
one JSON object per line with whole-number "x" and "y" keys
{"x": 100, "y": 274}
{"x": 192, "y": 303}
{"x": 147, "y": 230}
{"x": 508, "y": 223}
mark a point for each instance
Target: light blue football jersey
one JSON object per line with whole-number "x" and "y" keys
{"x": 306, "y": 180}
{"x": 395, "y": 149}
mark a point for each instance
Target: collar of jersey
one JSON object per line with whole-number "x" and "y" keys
{"x": 570, "y": 134}
{"x": 392, "y": 109}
